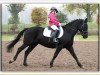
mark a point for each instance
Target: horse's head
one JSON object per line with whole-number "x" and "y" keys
{"x": 83, "y": 28}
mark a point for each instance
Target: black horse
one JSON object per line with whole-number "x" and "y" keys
{"x": 34, "y": 36}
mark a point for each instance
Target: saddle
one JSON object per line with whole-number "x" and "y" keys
{"x": 48, "y": 31}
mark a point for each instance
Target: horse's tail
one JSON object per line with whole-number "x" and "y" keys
{"x": 11, "y": 45}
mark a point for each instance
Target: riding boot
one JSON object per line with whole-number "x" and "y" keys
{"x": 55, "y": 40}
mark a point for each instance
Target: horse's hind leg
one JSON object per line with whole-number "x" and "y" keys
{"x": 71, "y": 50}
{"x": 17, "y": 53}
{"x": 30, "y": 48}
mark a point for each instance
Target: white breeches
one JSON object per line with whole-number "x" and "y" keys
{"x": 54, "y": 27}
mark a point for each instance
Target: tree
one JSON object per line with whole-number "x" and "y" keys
{"x": 98, "y": 16}
{"x": 61, "y": 17}
{"x": 89, "y": 9}
{"x": 39, "y": 16}
{"x": 15, "y": 9}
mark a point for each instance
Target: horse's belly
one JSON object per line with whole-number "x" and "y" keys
{"x": 47, "y": 45}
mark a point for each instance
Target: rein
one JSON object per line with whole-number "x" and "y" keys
{"x": 73, "y": 29}
{"x": 81, "y": 28}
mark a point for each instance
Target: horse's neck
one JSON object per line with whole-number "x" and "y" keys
{"x": 73, "y": 26}
{"x": 72, "y": 29}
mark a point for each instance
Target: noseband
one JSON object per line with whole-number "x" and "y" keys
{"x": 82, "y": 31}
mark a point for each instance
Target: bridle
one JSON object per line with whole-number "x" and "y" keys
{"x": 73, "y": 29}
{"x": 82, "y": 31}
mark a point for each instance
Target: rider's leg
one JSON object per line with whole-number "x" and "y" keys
{"x": 55, "y": 37}
{"x": 55, "y": 33}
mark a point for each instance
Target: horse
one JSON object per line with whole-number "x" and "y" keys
{"x": 34, "y": 36}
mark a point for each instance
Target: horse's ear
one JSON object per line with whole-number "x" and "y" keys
{"x": 85, "y": 20}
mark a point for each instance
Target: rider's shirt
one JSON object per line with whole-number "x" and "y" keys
{"x": 52, "y": 19}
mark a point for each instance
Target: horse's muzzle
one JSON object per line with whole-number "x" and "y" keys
{"x": 85, "y": 36}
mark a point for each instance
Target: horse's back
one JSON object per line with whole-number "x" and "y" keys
{"x": 32, "y": 29}
{"x": 31, "y": 34}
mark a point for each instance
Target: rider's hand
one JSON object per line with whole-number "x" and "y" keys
{"x": 59, "y": 24}
{"x": 54, "y": 27}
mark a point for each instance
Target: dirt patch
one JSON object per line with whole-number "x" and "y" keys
{"x": 39, "y": 59}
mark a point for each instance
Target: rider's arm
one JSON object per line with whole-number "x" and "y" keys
{"x": 53, "y": 19}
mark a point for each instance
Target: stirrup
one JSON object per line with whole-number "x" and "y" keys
{"x": 55, "y": 40}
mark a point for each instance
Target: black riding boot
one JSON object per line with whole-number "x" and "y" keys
{"x": 54, "y": 36}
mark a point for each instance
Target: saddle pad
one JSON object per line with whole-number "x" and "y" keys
{"x": 47, "y": 32}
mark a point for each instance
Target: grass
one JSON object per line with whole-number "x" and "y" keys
{"x": 7, "y": 37}
{"x": 91, "y": 26}
{"x": 90, "y": 38}
{"x": 77, "y": 38}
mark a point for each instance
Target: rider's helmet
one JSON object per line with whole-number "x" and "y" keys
{"x": 54, "y": 9}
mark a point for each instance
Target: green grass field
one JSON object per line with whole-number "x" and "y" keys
{"x": 90, "y": 38}
{"x": 77, "y": 38}
{"x": 7, "y": 37}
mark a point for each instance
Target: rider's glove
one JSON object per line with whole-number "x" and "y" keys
{"x": 59, "y": 24}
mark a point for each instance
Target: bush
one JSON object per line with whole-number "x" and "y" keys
{"x": 39, "y": 16}
{"x": 62, "y": 18}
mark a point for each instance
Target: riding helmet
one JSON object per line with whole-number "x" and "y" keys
{"x": 53, "y": 8}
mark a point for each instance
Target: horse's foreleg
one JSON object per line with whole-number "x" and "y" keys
{"x": 30, "y": 48}
{"x": 71, "y": 50}
{"x": 18, "y": 51}
{"x": 55, "y": 55}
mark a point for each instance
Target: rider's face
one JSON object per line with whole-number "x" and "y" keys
{"x": 54, "y": 12}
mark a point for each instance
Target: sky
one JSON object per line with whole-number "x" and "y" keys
{"x": 25, "y": 16}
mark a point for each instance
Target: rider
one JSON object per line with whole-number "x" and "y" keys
{"x": 53, "y": 23}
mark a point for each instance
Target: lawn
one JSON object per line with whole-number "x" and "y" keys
{"x": 90, "y": 38}
{"x": 7, "y": 37}
{"x": 77, "y": 38}
{"x": 91, "y": 26}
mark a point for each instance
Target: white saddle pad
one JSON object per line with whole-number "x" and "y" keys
{"x": 47, "y": 32}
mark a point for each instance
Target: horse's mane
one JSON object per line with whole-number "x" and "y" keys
{"x": 73, "y": 22}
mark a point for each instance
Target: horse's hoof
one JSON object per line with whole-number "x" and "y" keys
{"x": 51, "y": 65}
{"x": 25, "y": 64}
{"x": 81, "y": 66}
{"x": 10, "y": 62}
